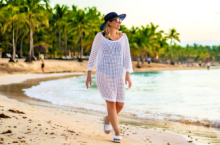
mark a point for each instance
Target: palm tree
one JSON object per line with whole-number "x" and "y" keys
{"x": 157, "y": 41}
{"x": 147, "y": 40}
{"x": 60, "y": 17}
{"x": 84, "y": 22}
{"x": 23, "y": 34}
{"x": 172, "y": 35}
{"x": 10, "y": 16}
{"x": 35, "y": 16}
{"x": 162, "y": 44}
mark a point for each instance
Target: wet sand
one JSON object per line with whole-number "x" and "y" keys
{"x": 200, "y": 133}
{"x": 54, "y": 125}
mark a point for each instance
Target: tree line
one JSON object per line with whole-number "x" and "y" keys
{"x": 31, "y": 27}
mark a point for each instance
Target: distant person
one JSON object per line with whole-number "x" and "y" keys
{"x": 42, "y": 66}
{"x": 149, "y": 60}
{"x": 208, "y": 65}
{"x": 200, "y": 63}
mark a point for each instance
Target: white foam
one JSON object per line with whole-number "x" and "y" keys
{"x": 164, "y": 101}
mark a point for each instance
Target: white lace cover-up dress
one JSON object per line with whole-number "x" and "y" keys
{"x": 110, "y": 58}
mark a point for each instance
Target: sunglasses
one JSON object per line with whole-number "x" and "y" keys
{"x": 118, "y": 20}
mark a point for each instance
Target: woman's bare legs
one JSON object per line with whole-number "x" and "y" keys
{"x": 42, "y": 70}
{"x": 113, "y": 109}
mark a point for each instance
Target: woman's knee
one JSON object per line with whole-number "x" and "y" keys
{"x": 111, "y": 105}
{"x": 119, "y": 106}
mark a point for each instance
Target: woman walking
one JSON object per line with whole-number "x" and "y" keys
{"x": 111, "y": 55}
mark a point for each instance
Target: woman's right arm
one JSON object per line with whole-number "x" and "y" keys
{"x": 89, "y": 79}
{"x": 92, "y": 58}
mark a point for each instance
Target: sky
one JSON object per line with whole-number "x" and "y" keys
{"x": 197, "y": 21}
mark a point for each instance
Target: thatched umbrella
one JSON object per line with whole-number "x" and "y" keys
{"x": 42, "y": 48}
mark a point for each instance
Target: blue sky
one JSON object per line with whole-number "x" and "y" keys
{"x": 197, "y": 21}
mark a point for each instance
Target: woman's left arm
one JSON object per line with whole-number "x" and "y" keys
{"x": 127, "y": 62}
{"x": 128, "y": 79}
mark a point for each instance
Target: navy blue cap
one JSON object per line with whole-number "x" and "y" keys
{"x": 110, "y": 16}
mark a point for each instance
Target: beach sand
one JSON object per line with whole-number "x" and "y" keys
{"x": 64, "y": 66}
{"x": 51, "y": 125}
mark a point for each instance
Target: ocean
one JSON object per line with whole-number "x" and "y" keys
{"x": 183, "y": 96}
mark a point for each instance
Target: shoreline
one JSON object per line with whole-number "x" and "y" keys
{"x": 172, "y": 138}
{"x": 63, "y": 66}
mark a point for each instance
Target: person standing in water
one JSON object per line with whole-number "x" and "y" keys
{"x": 42, "y": 66}
{"x": 111, "y": 55}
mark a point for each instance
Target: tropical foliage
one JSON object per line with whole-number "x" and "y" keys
{"x": 31, "y": 27}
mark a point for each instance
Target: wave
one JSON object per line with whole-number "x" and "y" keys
{"x": 71, "y": 92}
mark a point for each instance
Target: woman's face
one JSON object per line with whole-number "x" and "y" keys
{"x": 115, "y": 23}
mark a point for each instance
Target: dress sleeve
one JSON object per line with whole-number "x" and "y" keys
{"x": 127, "y": 56}
{"x": 94, "y": 52}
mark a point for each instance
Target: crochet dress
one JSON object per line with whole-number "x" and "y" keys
{"x": 110, "y": 58}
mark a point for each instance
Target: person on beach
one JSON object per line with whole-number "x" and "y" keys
{"x": 208, "y": 65}
{"x": 111, "y": 55}
{"x": 42, "y": 66}
{"x": 149, "y": 60}
{"x": 200, "y": 63}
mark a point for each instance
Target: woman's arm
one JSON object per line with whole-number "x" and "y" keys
{"x": 128, "y": 79}
{"x": 89, "y": 79}
{"x": 128, "y": 63}
{"x": 92, "y": 58}
{"x": 127, "y": 56}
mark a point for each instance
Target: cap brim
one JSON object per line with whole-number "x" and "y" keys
{"x": 122, "y": 17}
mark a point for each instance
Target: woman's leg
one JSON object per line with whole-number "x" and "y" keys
{"x": 119, "y": 106}
{"x": 113, "y": 109}
{"x": 43, "y": 69}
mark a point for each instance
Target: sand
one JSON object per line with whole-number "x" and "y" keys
{"x": 65, "y": 66}
{"x": 53, "y": 126}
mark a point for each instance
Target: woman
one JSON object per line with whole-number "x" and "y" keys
{"x": 42, "y": 66}
{"x": 111, "y": 55}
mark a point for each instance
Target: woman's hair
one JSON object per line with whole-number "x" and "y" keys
{"x": 107, "y": 30}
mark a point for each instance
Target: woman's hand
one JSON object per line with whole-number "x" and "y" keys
{"x": 89, "y": 79}
{"x": 128, "y": 79}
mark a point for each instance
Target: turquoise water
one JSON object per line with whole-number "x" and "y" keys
{"x": 179, "y": 96}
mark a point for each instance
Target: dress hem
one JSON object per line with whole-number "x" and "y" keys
{"x": 112, "y": 100}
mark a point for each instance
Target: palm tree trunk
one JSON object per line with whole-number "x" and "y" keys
{"x": 65, "y": 42}
{"x": 31, "y": 43}
{"x": 53, "y": 49}
{"x": 81, "y": 54}
{"x": 16, "y": 37}
{"x": 74, "y": 51}
{"x": 21, "y": 46}
{"x": 142, "y": 58}
{"x": 29, "y": 58}
{"x": 138, "y": 62}
{"x": 59, "y": 39}
{"x": 78, "y": 51}
{"x": 71, "y": 51}
{"x": 13, "y": 44}
{"x": 172, "y": 62}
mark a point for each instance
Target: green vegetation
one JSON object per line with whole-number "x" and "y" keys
{"x": 31, "y": 27}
